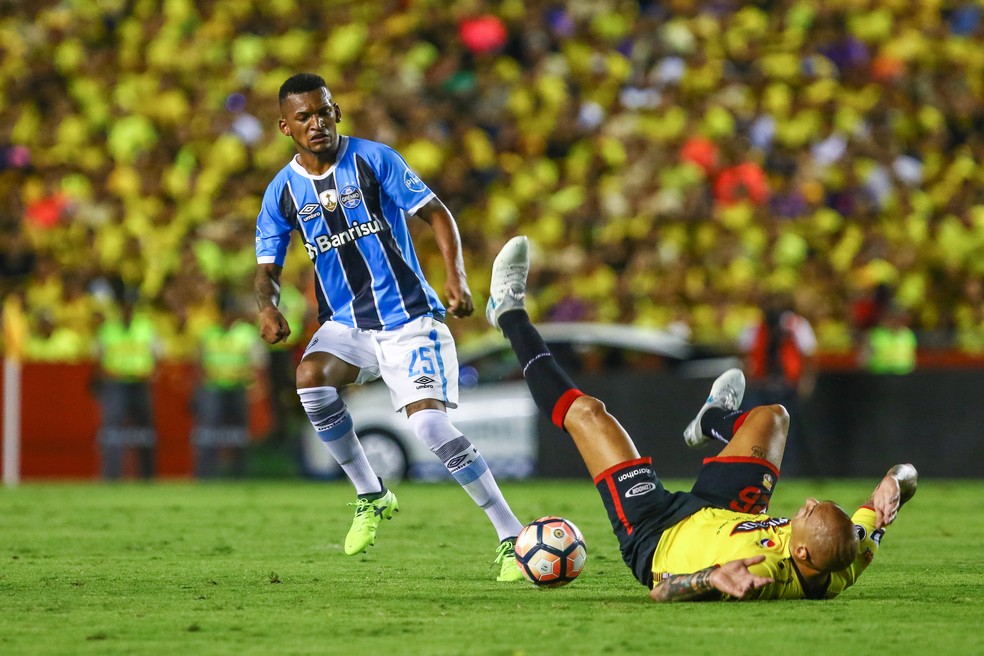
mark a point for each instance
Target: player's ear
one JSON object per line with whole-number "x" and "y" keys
{"x": 338, "y": 112}
{"x": 802, "y": 553}
{"x": 284, "y": 128}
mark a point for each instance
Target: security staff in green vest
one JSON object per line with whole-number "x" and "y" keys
{"x": 228, "y": 358}
{"x": 892, "y": 346}
{"x": 127, "y": 359}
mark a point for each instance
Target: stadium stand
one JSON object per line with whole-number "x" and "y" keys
{"x": 679, "y": 160}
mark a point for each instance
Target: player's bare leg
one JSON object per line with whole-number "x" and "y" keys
{"x": 600, "y": 439}
{"x": 320, "y": 368}
{"x": 762, "y": 434}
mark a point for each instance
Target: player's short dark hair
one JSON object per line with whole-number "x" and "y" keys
{"x": 301, "y": 83}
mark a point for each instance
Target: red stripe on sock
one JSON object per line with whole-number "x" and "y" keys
{"x": 563, "y": 405}
{"x": 739, "y": 421}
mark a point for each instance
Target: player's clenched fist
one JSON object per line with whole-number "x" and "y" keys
{"x": 273, "y": 326}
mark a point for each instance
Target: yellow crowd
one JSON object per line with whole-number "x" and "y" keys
{"x": 672, "y": 162}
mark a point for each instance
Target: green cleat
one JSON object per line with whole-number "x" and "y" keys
{"x": 368, "y": 514}
{"x": 505, "y": 558}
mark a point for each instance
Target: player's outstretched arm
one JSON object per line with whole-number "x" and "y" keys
{"x": 733, "y": 578}
{"x": 898, "y": 486}
{"x": 438, "y": 217}
{"x": 266, "y": 289}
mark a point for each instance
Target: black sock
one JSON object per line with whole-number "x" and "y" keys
{"x": 719, "y": 423}
{"x": 552, "y": 389}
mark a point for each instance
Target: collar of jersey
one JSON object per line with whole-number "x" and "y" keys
{"x": 343, "y": 142}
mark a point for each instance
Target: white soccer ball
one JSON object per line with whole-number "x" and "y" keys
{"x": 551, "y": 552}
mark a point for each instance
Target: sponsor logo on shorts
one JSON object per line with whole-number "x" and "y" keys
{"x": 639, "y": 489}
{"x": 768, "y": 481}
{"x": 633, "y": 473}
{"x": 424, "y": 382}
{"x": 764, "y": 525}
{"x": 350, "y": 197}
{"x": 861, "y": 531}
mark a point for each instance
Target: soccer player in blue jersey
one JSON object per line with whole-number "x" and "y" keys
{"x": 350, "y": 200}
{"x": 715, "y": 541}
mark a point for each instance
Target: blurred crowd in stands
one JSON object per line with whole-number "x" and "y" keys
{"x": 675, "y": 163}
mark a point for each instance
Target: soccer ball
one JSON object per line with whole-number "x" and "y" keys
{"x": 550, "y": 552}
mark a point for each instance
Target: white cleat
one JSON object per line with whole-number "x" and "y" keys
{"x": 726, "y": 392}
{"x": 508, "y": 289}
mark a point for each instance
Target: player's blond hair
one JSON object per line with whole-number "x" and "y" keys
{"x": 833, "y": 544}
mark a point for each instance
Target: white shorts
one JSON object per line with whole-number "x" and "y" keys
{"x": 416, "y": 361}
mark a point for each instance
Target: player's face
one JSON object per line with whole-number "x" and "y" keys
{"x": 809, "y": 506}
{"x": 803, "y": 521}
{"x": 310, "y": 120}
{"x": 813, "y": 518}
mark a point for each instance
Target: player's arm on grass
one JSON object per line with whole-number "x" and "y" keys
{"x": 266, "y": 288}
{"x": 733, "y": 578}
{"x": 897, "y": 487}
{"x": 438, "y": 217}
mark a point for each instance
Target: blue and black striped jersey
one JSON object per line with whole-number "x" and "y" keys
{"x": 353, "y": 220}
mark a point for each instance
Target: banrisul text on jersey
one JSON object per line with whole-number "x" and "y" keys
{"x": 324, "y": 243}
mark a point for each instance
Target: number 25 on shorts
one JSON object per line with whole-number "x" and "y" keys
{"x": 421, "y": 362}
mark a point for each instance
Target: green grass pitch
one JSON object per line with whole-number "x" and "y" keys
{"x": 258, "y": 568}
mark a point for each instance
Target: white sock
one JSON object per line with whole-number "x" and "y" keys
{"x": 467, "y": 466}
{"x": 331, "y": 420}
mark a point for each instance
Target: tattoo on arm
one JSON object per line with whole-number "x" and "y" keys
{"x": 266, "y": 287}
{"x": 687, "y": 587}
{"x": 906, "y": 476}
{"x": 758, "y": 452}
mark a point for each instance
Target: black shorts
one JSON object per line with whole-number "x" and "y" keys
{"x": 641, "y": 509}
